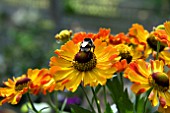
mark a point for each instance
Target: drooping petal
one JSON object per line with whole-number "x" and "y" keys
{"x": 140, "y": 88}
{"x": 153, "y": 97}
{"x": 157, "y": 66}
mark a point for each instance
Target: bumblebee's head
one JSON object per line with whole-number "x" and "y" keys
{"x": 86, "y": 45}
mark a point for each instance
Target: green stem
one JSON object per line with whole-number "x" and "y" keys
{"x": 146, "y": 99}
{"x": 56, "y": 101}
{"x": 136, "y": 103}
{"x": 51, "y": 103}
{"x": 158, "y": 47}
{"x": 105, "y": 98}
{"x": 120, "y": 75}
{"x": 31, "y": 102}
{"x": 87, "y": 98}
{"x": 96, "y": 100}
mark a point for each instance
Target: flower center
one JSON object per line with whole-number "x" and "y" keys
{"x": 124, "y": 52}
{"x": 21, "y": 84}
{"x": 84, "y": 61}
{"x": 159, "y": 81}
{"x": 152, "y": 42}
{"x": 126, "y": 56}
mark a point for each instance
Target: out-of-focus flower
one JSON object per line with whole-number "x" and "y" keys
{"x": 63, "y": 36}
{"x": 103, "y": 34}
{"x": 149, "y": 75}
{"x": 39, "y": 78}
{"x": 14, "y": 89}
{"x": 33, "y": 82}
{"x": 79, "y": 37}
{"x": 120, "y": 38}
{"x": 148, "y": 41}
{"x": 164, "y": 56}
{"x": 162, "y": 108}
{"x": 167, "y": 27}
{"x": 138, "y": 37}
{"x": 127, "y": 55}
{"x": 73, "y": 66}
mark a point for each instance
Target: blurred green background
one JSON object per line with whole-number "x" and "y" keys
{"x": 28, "y": 27}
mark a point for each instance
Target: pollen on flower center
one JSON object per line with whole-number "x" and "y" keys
{"x": 84, "y": 61}
{"x": 152, "y": 42}
{"x": 20, "y": 84}
{"x": 159, "y": 81}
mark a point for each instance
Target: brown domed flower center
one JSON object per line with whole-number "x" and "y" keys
{"x": 124, "y": 52}
{"x": 126, "y": 56}
{"x": 21, "y": 84}
{"x": 84, "y": 61}
{"x": 152, "y": 42}
{"x": 159, "y": 81}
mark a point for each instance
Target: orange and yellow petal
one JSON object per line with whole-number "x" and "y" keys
{"x": 103, "y": 52}
{"x": 157, "y": 66}
{"x": 143, "y": 68}
{"x": 120, "y": 38}
{"x": 13, "y": 98}
{"x": 74, "y": 81}
{"x": 79, "y": 37}
{"x": 68, "y": 50}
{"x": 138, "y": 32}
{"x": 139, "y": 68}
{"x": 56, "y": 61}
{"x": 167, "y": 27}
{"x": 153, "y": 97}
{"x": 39, "y": 78}
{"x": 9, "y": 83}
{"x": 166, "y": 97}
{"x": 120, "y": 66}
{"x": 140, "y": 88}
{"x": 135, "y": 77}
{"x": 103, "y": 34}
{"x": 165, "y": 56}
{"x": 163, "y": 110}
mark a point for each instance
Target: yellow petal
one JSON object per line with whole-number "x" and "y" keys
{"x": 58, "y": 61}
{"x": 153, "y": 97}
{"x": 165, "y": 55}
{"x": 73, "y": 84}
{"x": 140, "y": 88}
{"x": 89, "y": 79}
{"x": 157, "y": 66}
{"x": 167, "y": 27}
{"x": 68, "y": 51}
{"x": 134, "y": 77}
{"x": 143, "y": 68}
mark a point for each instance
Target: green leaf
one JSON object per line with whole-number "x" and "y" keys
{"x": 120, "y": 96}
{"x": 108, "y": 109}
{"x": 78, "y": 109}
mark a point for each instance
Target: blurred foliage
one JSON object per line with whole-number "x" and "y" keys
{"x": 41, "y": 4}
{"x": 26, "y": 42}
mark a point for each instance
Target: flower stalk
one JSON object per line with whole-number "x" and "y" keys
{"x": 96, "y": 100}
{"x": 31, "y": 102}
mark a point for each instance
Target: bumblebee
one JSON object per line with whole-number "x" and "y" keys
{"x": 86, "y": 45}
